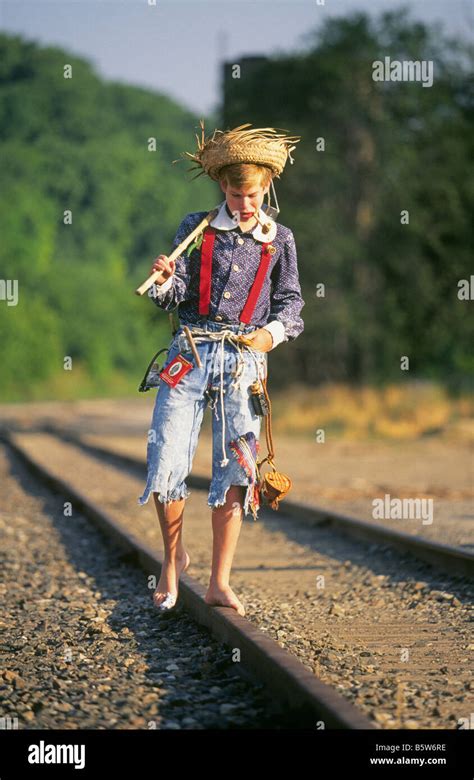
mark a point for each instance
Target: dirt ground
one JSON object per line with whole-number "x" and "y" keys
{"x": 340, "y": 474}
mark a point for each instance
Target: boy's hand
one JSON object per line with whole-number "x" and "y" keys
{"x": 261, "y": 339}
{"x": 165, "y": 266}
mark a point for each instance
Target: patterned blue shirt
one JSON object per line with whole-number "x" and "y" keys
{"x": 235, "y": 261}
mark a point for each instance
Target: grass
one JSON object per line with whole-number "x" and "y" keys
{"x": 393, "y": 412}
{"x": 75, "y": 385}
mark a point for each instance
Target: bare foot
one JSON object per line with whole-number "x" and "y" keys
{"x": 223, "y": 597}
{"x": 169, "y": 578}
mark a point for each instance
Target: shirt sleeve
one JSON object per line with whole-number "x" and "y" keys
{"x": 286, "y": 298}
{"x": 172, "y": 292}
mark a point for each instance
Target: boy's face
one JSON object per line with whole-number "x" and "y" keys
{"x": 246, "y": 200}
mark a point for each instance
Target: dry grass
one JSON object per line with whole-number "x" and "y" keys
{"x": 393, "y": 412}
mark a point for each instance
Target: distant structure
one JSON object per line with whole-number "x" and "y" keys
{"x": 248, "y": 65}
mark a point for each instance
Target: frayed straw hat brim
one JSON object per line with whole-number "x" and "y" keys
{"x": 260, "y": 146}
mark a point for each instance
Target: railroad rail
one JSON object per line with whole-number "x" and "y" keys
{"x": 293, "y": 688}
{"x": 446, "y": 557}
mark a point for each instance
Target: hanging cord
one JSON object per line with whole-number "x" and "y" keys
{"x": 203, "y": 335}
{"x": 225, "y": 459}
{"x": 143, "y": 388}
{"x": 268, "y": 429}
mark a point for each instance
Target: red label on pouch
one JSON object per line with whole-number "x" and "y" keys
{"x": 174, "y": 372}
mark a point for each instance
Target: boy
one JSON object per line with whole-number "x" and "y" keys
{"x": 241, "y": 278}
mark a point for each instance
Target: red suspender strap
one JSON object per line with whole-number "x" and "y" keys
{"x": 205, "y": 272}
{"x": 251, "y": 302}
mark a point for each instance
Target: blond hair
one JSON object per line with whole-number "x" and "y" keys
{"x": 242, "y": 174}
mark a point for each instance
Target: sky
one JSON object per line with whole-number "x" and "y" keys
{"x": 177, "y": 47}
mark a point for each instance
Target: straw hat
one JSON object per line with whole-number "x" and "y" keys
{"x": 260, "y": 146}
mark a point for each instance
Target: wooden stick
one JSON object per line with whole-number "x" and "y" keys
{"x": 157, "y": 276}
{"x": 192, "y": 344}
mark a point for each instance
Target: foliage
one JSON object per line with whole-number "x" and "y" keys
{"x": 82, "y": 145}
{"x": 390, "y": 288}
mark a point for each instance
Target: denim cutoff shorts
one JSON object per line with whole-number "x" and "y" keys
{"x": 178, "y": 414}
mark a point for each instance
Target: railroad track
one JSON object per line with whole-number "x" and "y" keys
{"x": 292, "y": 688}
{"x": 81, "y": 649}
{"x": 290, "y": 684}
{"x": 449, "y": 558}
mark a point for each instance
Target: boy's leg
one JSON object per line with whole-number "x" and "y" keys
{"x": 229, "y": 483}
{"x": 175, "y": 558}
{"x": 226, "y": 525}
{"x": 172, "y": 437}
{"x": 176, "y": 422}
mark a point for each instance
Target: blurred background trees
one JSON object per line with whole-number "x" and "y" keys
{"x": 391, "y": 288}
{"x": 389, "y": 147}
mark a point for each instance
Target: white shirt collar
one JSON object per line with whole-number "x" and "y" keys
{"x": 223, "y": 222}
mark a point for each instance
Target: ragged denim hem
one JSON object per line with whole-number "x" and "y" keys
{"x": 215, "y": 501}
{"x": 179, "y": 492}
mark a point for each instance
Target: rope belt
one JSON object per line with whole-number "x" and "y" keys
{"x": 200, "y": 334}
